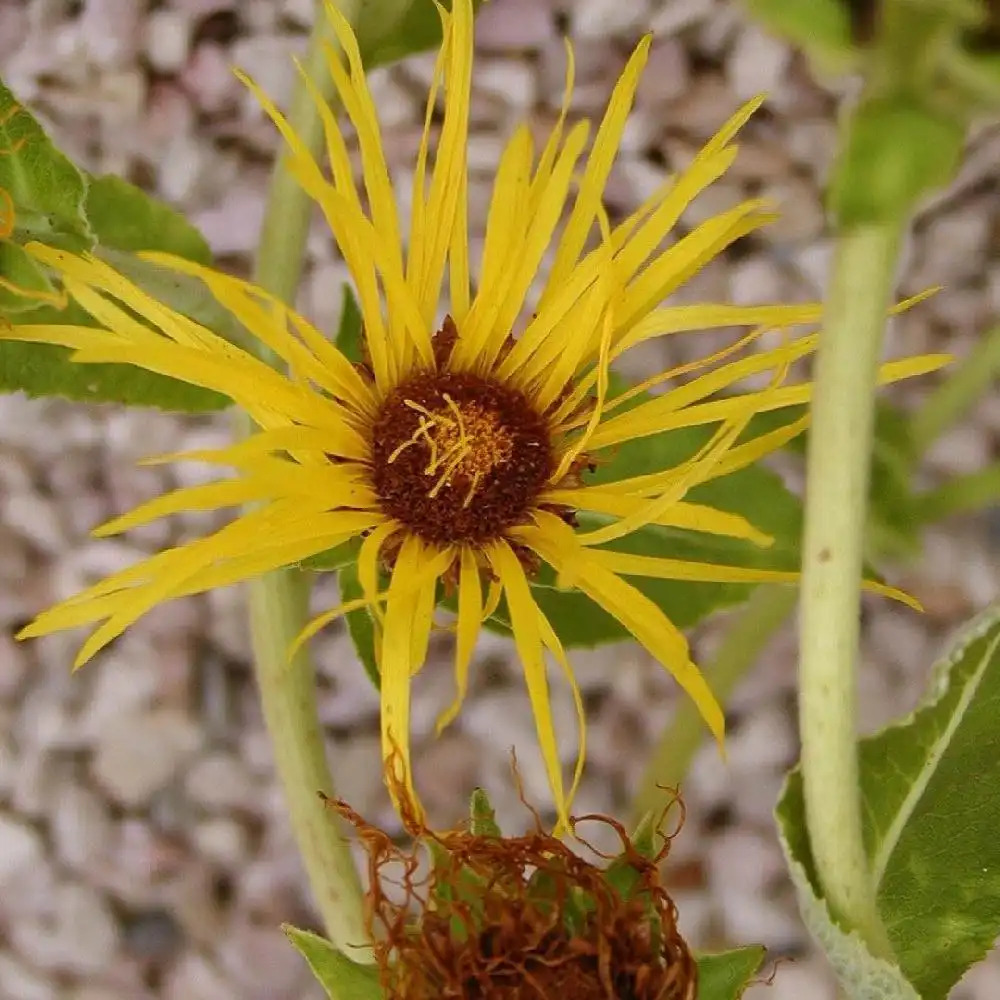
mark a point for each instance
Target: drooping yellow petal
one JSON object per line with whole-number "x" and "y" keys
{"x": 554, "y": 541}
{"x": 470, "y": 613}
{"x": 552, "y": 643}
{"x": 526, "y": 626}
{"x": 404, "y": 634}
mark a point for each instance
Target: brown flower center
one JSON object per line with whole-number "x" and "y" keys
{"x": 458, "y": 458}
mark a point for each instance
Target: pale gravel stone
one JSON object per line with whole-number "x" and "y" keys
{"x": 80, "y": 825}
{"x": 514, "y": 25}
{"x": 137, "y": 755}
{"x": 19, "y": 982}
{"x": 796, "y": 980}
{"x": 168, "y": 37}
{"x": 194, "y": 977}
{"x": 510, "y": 79}
{"x": 233, "y": 226}
{"x": 269, "y": 61}
{"x": 225, "y": 842}
{"x": 208, "y": 78}
{"x": 260, "y": 963}
{"x": 757, "y": 63}
{"x": 600, "y": 18}
{"x": 37, "y": 519}
{"x": 20, "y": 847}
{"x": 221, "y": 783}
{"x": 78, "y": 935}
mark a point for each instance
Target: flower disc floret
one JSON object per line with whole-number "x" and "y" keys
{"x": 459, "y": 458}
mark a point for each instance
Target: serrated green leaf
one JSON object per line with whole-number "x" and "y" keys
{"x": 360, "y": 624}
{"x": 18, "y": 269}
{"x": 43, "y": 184}
{"x": 931, "y": 811}
{"x": 43, "y": 370}
{"x": 725, "y": 975}
{"x": 482, "y": 817}
{"x": 342, "y": 978}
{"x": 124, "y": 217}
{"x": 389, "y": 30}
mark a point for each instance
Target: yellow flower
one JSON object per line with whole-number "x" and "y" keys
{"x": 458, "y": 452}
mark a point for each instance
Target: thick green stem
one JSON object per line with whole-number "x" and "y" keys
{"x": 840, "y": 447}
{"x": 964, "y": 386}
{"x": 742, "y": 644}
{"x": 279, "y": 601}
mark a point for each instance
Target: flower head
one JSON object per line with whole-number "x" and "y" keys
{"x": 510, "y": 917}
{"x": 457, "y": 453}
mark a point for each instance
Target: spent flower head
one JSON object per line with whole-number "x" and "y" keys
{"x": 457, "y": 453}
{"x": 509, "y": 917}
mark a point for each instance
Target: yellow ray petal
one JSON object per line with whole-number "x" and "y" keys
{"x": 554, "y": 541}
{"x": 415, "y": 573}
{"x": 448, "y": 179}
{"x": 595, "y": 175}
{"x": 682, "y": 514}
{"x": 470, "y": 613}
{"x": 506, "y": 222}
{"x": 552, "y": 643}
{"x": 689, "y": 255}
{"x": 631, "y": 425}
{"x": 526, "y": 627}
{"x": 699, "y": 572}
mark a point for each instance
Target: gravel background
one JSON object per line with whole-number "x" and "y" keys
{"x": 143, "y": 847}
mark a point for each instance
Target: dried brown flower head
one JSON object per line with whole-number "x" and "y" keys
{"x": 521, "y": 917}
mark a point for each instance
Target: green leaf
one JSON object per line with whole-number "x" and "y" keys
{"x": 360, "y": 624}
{"x": 821, "y": 27}
{"x": 389, "y": 30}
{"x": 342, "y": 978}
{"x": 482, "y": 817}
{"x": 18, "y": 268}
{"x": 895, "y": 151}
{"x": 756, "y": 493}
{"x": 350, "y": 330}
{"x": 47, "y": 190}
{"x": 124, "y": 217}
{"x": 45, "y": 370}
{"x": 725, "y": 975}
{"x": 931, "y": 814}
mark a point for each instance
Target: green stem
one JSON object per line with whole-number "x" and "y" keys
{"x": 839, "y": 459}
{"x": 742, "y": 644}
{"x": 278, "y": 602}
{"x": 962, "y": 494}
{"x": 965, "y": 385}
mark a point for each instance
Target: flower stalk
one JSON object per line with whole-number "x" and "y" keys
{"x": 278, "y": 601}
{"x": 838, "y": 466}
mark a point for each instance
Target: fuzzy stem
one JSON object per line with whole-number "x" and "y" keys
{"x": 743, "y": 642}
{"x": 838, "y": 465}
{"x": 278, "y": 602}
{"x": 962, "y": 389}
